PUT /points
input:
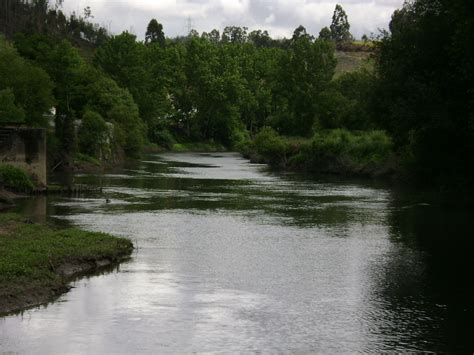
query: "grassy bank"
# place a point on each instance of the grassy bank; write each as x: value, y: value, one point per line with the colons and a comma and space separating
x: 37, y: 262
x: 335, y: 151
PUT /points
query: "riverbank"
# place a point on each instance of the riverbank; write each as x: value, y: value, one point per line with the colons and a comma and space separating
x: 6, y: 198
x: 37, y: 262
x: 337, y: 152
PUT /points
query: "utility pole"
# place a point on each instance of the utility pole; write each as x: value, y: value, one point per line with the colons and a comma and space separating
x: 189, y: 24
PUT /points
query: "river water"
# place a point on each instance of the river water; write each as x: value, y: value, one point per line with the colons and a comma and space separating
x: 232, y: 257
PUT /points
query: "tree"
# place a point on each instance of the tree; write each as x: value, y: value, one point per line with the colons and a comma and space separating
x: 300, y: 32
x: 340, y: 26
x: 325, y: 34
x: 25, y: 87
x: 126, y: 61
x: 154, y: 33
x: 10, y: 112
x: 116, y: 105
x: 425, y: 87
x: 214, y: 36
x: 260, y: 38
x: 92, y: 134
x: 305, y: 71
x: 234, y: 34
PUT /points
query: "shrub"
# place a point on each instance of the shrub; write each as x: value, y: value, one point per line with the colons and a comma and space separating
x: 341, y: 150
x: 164, y: 138
x: 15, y: 178
x: 271, y: 146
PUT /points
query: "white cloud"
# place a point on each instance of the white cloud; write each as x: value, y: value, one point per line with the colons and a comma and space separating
x: 279, y: 17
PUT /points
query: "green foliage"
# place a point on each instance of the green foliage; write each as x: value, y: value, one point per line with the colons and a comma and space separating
x: 340, y: 27
x: 129, y: 131
x: 341, y: 151
x: 271, y: 146
x: 28, y: 88
x: 335, y: 151
x: 92, y: 134
x: 116, y: 106
x: 361, y: 148
x: 46, y: 17
x: 305, y: 71
x: 426, y: 83
x: 63, y: 64
x: 154, y: 34
x: 347, y: 102
x: 325, y: 34
x: 9, y: 111
x: 15, y: 178
x: 164, y: 138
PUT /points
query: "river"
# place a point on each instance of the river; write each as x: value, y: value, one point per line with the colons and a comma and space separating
x: 231, y: 257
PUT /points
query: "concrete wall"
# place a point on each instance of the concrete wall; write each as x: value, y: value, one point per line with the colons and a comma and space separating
x: 25, y: 148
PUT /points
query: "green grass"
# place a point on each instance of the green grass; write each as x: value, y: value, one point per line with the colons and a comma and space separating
x: 31, y: 256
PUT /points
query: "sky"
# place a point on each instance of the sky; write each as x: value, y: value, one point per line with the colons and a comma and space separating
x: 279, y: 17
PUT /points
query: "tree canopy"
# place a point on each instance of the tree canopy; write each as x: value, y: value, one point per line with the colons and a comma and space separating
x: 340, y: 27
x: 154, y: 33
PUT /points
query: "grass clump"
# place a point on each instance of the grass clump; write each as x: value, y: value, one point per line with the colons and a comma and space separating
x: 15, y: 178
x: 36, y: 260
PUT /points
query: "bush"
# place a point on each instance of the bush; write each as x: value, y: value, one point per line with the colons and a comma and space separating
x: 271, y: 146
x: 340, y: 149
x: 164, y: 138
x: 15, y: 178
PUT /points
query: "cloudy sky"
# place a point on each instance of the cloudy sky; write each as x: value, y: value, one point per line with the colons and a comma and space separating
x: 279, y: 17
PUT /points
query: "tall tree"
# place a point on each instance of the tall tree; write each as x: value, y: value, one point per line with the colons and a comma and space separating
x: 24, y: 87
x: 425, y: 88
x: 154, y: 33
x: 325, y: 34
x: 340, y: 27
x: 304, y: 72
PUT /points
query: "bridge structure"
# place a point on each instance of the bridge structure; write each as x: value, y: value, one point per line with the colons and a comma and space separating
x: 25, y: 147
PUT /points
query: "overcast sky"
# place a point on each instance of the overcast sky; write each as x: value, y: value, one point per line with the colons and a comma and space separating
x: 279, y: 17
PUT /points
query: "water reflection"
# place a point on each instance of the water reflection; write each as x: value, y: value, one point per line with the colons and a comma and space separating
x: 232, y: 257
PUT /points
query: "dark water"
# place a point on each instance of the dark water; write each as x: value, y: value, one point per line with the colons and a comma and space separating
x: 232, y: 257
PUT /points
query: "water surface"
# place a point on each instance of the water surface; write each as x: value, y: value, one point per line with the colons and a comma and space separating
x: 233, y: 257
